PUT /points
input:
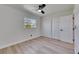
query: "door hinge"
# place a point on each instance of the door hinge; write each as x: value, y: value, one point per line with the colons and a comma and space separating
x: 73, y: 28
x: 73, y: 17
x: 73, y: 40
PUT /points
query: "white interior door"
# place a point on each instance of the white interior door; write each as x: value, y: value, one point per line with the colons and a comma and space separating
x: 66, y: 28
x: 55, y: 27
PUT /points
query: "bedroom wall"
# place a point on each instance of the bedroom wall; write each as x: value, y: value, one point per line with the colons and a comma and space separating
x: 12, y: 26
x: 46, y: 26
x: 76, y: 21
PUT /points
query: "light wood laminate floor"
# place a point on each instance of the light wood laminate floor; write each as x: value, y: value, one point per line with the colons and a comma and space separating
x: 40, y: 45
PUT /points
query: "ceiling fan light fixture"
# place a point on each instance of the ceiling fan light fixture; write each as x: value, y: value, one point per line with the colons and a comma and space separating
x: 39, y: 10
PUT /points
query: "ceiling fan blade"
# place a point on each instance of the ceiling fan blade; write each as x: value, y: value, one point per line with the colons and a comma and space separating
x: 42, y: 12
x: 42, y: 6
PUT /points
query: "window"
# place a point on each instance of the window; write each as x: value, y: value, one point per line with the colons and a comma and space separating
x: 29, y: 23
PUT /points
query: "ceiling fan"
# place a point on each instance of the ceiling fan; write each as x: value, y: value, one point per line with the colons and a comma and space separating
x: 41, y: 7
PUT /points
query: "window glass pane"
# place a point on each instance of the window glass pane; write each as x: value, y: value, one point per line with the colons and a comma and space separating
x: 29, y: 23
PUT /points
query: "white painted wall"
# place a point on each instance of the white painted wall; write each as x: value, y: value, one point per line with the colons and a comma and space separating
x: 12, y: 26
x: 76, y: 21
x: 46, y: 27
x: 58, y: 22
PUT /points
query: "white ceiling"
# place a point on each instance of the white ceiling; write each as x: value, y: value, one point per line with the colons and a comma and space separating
x: 49, y: 9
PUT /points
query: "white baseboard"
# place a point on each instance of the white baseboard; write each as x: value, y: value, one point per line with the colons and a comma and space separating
x: 26, y: 39
x: 59, y: 39
x: 14, y: 43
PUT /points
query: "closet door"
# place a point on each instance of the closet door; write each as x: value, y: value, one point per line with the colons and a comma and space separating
x: 66, y: 28
x: 55, y: 27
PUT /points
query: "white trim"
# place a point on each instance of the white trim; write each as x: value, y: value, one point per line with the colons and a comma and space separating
x: 14, y: 43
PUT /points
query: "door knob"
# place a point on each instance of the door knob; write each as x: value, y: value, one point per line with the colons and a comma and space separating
x: 61, y: 29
